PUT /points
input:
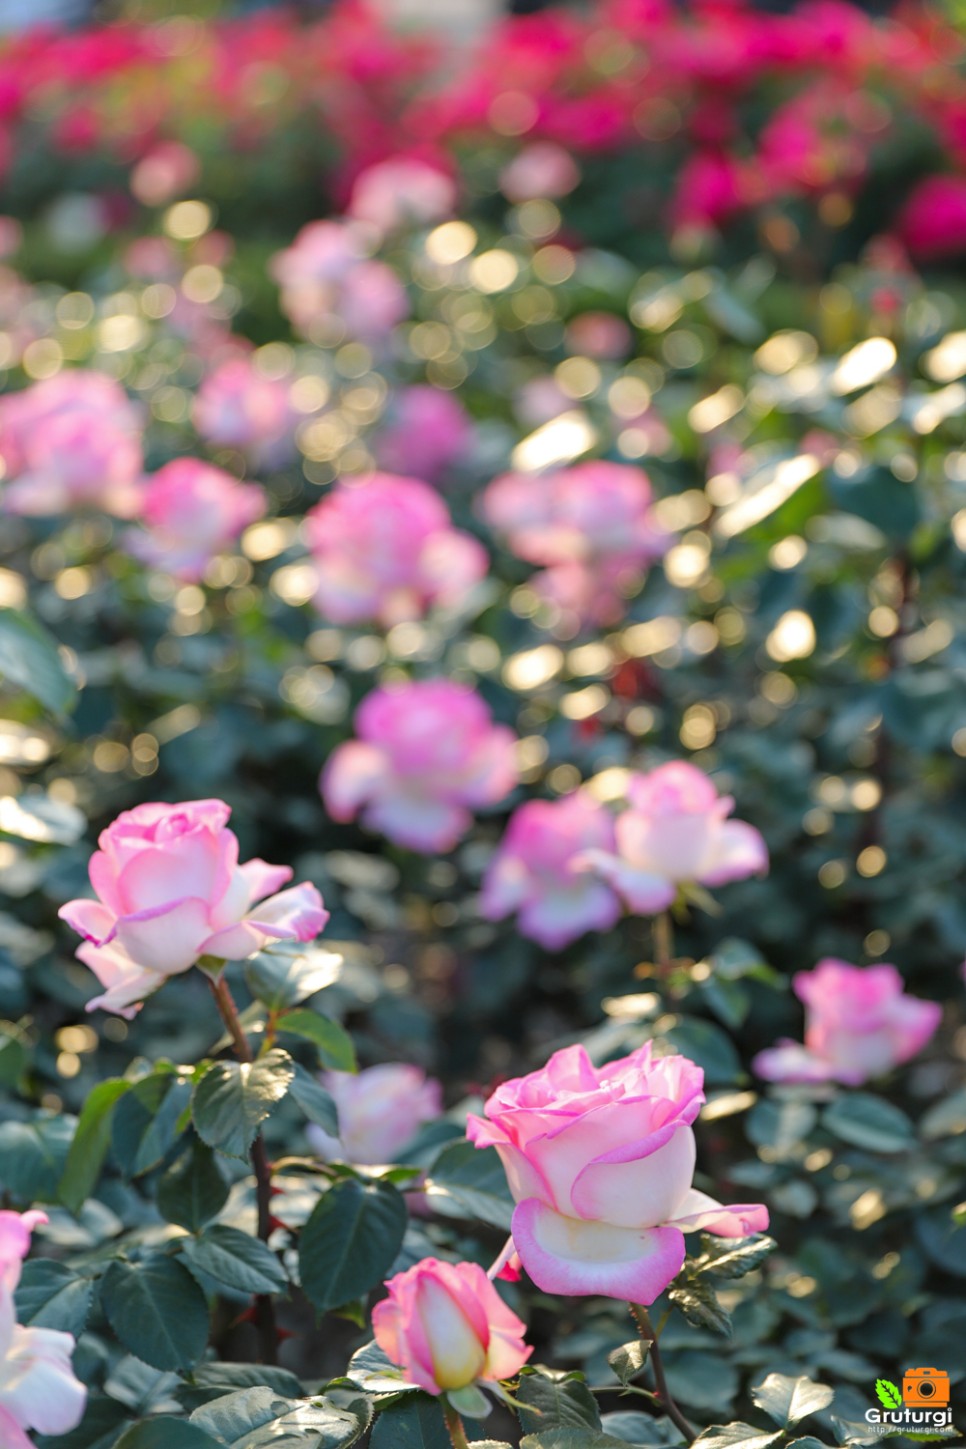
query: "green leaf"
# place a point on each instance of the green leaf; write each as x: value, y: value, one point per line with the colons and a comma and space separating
x: 211, y: 1381
x: 470, y: 1402
x: 786, y: 1399
x: 235, y: 1259
x: 888, y: 1394
x: 698, y: 1302
x: 735, y: 1436
x: 91, y: 1141
x: 628, y: 1360
x: 157, y: 1311
x: 288, y: 974
x: 30, y: 660
x: 14, y: 1056
x: 373, y: 1371
x: 572, y: 1439
x: 314, y: 1101
x: 258, y: 1418
x: 148, y: 1122
x: 732, y: 1257
x: 33, y: 1155
x: 166, y: 1433
x: 193, y: 1190
x: 555, y: 1400
x: 98, y: 1429
x: 351, y: 1241
x: 467, y: 1182
x: 415, y: 1423
x: 233, y: 1099
x: 870, y: 1122
x: 51, y: 1295
x: 333, y: 1041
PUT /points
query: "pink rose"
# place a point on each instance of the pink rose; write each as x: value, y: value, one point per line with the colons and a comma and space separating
x: 859, y: 1023
x: 600, y: 1162
x: 328, y: 281
x: 592, y: 528
x: 932, y: 223
x: 239, y: 407
x: 676, y: 832
x: 385, y: 550
x: 540, y: 170
x: 380, y: 1110
x: 402, y: 191
x: 169, y: 891
x: 167, y: 171
x: 423, y: 433
x: 72, y: 441
x: 192, y: 511
x: 446, y: 1327
x: 535, y: 871
x: 38, y: 1388
x: 428, y: 753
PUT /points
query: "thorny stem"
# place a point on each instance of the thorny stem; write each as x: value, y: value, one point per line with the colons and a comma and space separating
x: 649, y: 1339
x: 265, y: 1324
x: 663, y: 937
x: 454, y: 1424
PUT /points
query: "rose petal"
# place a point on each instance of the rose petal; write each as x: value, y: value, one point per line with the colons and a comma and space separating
x: 578, y: 1259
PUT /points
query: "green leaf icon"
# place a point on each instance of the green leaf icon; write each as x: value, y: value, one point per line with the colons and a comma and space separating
x: 888, y: 1394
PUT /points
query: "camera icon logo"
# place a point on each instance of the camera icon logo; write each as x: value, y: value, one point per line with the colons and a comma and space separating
x: 925, y: 1388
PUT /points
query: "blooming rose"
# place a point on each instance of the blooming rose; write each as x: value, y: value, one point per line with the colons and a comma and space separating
x: 169, y: 891
x: 428, y: 753
x: 38, y: 1388
x: 237, y: 406
x: 380, y: 1110
x: 932, y: 223
x: 540, y: 170
x: 675, y: 833
x: 859, y: 1023
x: 71, y: 441
x: 600, y: 1162
x: 385, y: 550
x: 447, y: 1327
x: 327, y: 281
x: 192, y: 511
x: 424, y: 431
x: 591, y: 527
x: 536, y: 873
x: 401, y: 191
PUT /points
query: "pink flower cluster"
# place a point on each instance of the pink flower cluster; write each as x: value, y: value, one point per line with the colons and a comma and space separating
x: 39, y: 1391
x: 170, y: 891
x: 600, y: 1162
x: 590, y: 528
x: 385, y: 551
x: 72, y: 441
x: 427, y: 755
x: 379, y: 1109
x: 330, y: 283
x: 859, y: 1024
x: 401, y: 191
x: 423, y: 432
x: 237, y: 406
x: 192, y: 511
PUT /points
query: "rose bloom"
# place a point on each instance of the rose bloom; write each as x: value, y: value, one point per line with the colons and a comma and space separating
x: 328, y: 282
x: 72, y: 441
x: 591, y: 527
x: 169, y: 891
x: 386, y: 551
x: 859, y: 1023
x: 446, y: 1327
x: 380, y: 1110
x: 427, y: 754
x: 932, y: 223
x: 38, y: 1388
x: 237, y: 406
x: 424, y: 431
x: 191, y: 512
x: 600, y: 1162
x: 535, y: 871
x: 402, y: 191
x: 167, y: 171
x: 675, y: 833
x: 540, y: 171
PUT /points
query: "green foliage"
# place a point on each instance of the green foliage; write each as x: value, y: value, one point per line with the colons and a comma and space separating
x: 157, y: 1311
x: 30, y: 661
x: 233, y: 1099
x: 350, y: 1242
x: 555, y: 1400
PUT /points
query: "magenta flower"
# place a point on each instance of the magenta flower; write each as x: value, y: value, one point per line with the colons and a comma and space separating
x: 591, y: 528
x: 536, y: 871
x: 401, y: 191
x: 39, y: 1391
x: 329, y: 283
x: 427, y: 755
x: 191, y: 512
x: 385, y: 550
x: 674, y: 833
x: 600, y: 1162
x: 380, y: 1110
x: 239, y: 407
x: 446, y: 1327
x: 932, y: 223
x: 423, y: 433
x: 169, y: 891
x: 72, y: 441
x: 859, y: 1023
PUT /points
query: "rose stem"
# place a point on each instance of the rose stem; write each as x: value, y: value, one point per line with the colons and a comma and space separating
x: 454, y: 1424
x: 649, y: 1339
x: 264, y: 1307
x: 663, y: 934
